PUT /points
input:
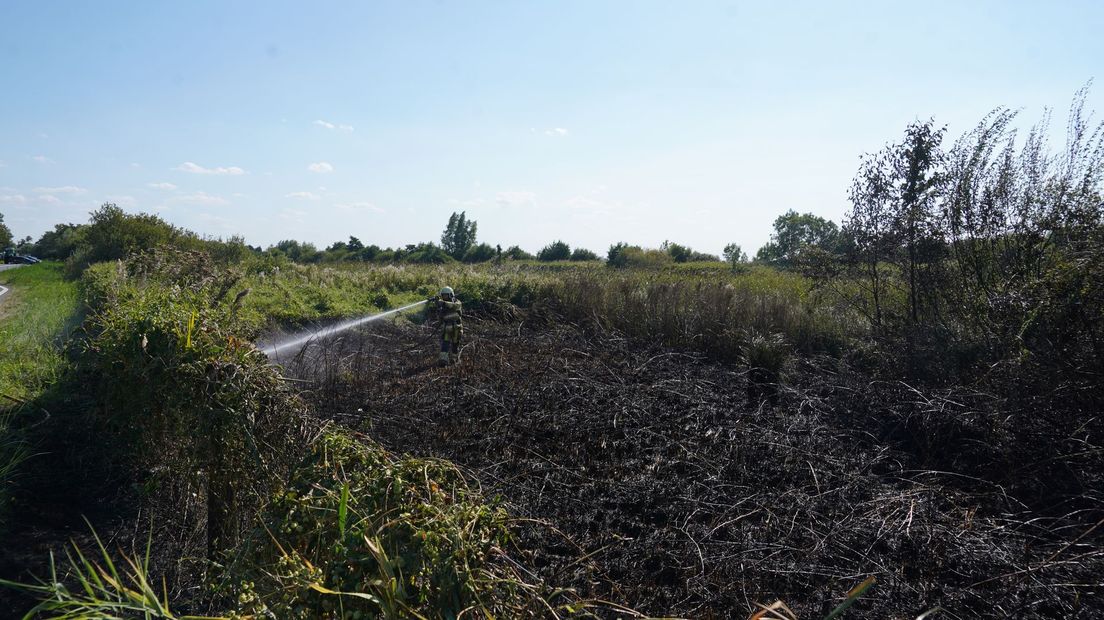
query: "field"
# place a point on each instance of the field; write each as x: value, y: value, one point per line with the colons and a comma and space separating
x: 690, y: 441
x: 647, y: 475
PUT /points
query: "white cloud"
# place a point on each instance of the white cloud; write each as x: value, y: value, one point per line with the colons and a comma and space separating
x: 197, y: 169
x: 13, y: 199
x: 49, y: 199
x: 555, y: 131
x: 516, y: 199
x: 135, y: 164
x: 201, y: 198
x: 42, y: 159
x: 213, y: 220
x: 65, y: 189
x: 168, y: 186
x: 122, y: 201
x: 293, y: 215
x: 321, y: 167
x: 591, y: 207
x: 3, y: 164
x: 303, y: 196
x: 332, y: 126
x: 359, y: 206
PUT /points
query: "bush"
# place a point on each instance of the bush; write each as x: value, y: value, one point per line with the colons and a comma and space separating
x: 557, y: 250
x: 113, y: 234
x: 583, y: 254
x: 428, y: 254
x: 480, y: 253
x: 331, y: 541
x: 180, y: 395
x: 516, y: 253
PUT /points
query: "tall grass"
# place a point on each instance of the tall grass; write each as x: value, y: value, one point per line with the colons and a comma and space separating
x: 703, y: 306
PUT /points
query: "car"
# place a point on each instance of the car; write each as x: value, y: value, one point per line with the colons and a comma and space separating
x: 11, y: 258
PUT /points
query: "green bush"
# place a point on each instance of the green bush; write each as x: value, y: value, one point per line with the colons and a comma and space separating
x: 359, y: 532
x: 185, y: 404
x: 583, y: 254
x: 557, y: 250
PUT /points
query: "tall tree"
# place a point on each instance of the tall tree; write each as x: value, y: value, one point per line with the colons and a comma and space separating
x: 917, y: 170
x: 868, y: 228
x: 5, y: 233
x: 793, y: 232
x: 459, y: 235
x: 734, y: 254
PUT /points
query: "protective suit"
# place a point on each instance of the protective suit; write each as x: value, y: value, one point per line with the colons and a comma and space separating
x: 447, y: 310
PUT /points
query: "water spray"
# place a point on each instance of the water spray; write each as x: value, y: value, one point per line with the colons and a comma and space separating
x: 294, y: 341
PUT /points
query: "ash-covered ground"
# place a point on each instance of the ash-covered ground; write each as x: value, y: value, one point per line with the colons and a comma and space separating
x: 648, y: 477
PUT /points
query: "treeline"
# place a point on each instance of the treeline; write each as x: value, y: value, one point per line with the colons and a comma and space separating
x: 112, y: 234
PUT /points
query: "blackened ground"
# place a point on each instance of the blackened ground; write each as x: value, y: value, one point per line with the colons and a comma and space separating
x: 646, y: 477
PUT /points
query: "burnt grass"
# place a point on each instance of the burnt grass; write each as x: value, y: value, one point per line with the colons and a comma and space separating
x: 648, y: 477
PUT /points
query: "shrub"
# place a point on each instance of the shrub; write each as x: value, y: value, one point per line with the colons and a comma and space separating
x: 557, y: 250
x: 181, y: 395
x: 331, y: 541
x: 480, y: 253
x: 516, y: 253
x: 583, y: 254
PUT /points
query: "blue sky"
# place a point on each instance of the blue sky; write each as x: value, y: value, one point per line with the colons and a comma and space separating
x: 592, y: 122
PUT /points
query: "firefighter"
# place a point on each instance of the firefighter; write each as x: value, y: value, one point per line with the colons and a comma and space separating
x: 447, y: 309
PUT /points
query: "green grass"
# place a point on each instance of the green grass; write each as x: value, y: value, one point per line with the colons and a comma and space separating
x: 35, y: 319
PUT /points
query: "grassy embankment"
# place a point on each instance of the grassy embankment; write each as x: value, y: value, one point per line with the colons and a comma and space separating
x: 36, y: 316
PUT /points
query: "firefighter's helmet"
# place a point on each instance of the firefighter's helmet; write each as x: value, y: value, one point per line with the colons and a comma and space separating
x: 446, y: 293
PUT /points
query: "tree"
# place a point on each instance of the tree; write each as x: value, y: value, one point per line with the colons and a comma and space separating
x: 685, y: 254
x: 5, y: 233
x: 354, y: 244
x: 895, y: 219
x: 480, y: 253
x: 516, y: 253
x: 557, y: 250
x: 868, y: 228
x: 113, y: 234
x: 459, y: 235
x: 679, y: 253
x: 296, y: 251
x: 734, y: 254
x: 917, y: 169
x: 368, y: 253
x: 583, y: 254
x: 426, y: 253
x: 616, y: 256
x: 795, y: 231
x: 61, y: 242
